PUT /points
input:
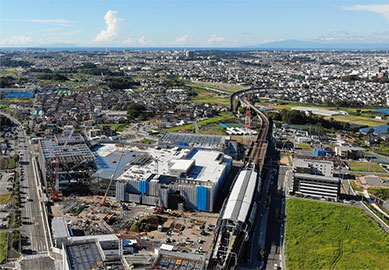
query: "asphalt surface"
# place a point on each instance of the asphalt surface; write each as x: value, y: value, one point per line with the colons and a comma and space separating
x: 275, y: 231
x: 34, y: 232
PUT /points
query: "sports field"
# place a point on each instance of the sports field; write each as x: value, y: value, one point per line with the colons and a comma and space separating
x: 323, y: 235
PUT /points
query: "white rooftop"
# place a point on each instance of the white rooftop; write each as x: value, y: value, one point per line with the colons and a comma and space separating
x: 182, y: 164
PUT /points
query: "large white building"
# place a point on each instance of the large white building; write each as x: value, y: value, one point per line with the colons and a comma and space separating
x: 192, y: 178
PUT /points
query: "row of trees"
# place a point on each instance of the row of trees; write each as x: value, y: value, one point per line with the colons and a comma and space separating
x: 122, y: 83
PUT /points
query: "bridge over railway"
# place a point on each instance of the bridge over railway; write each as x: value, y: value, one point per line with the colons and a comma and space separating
x: 239, y: 212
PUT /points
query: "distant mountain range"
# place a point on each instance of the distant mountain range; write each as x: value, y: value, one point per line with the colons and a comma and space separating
x: 307, y: 45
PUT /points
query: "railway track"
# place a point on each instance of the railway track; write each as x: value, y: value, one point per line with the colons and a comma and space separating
x: 258, y: 151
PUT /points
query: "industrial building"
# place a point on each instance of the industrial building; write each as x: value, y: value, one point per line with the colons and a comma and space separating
x: 216, y: 142
x: 236, y: 221
x: 191, y: 178
x: 314, y: 178
x: 72, y: 162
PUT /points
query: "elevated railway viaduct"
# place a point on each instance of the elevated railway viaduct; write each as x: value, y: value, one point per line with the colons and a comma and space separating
x: 239, y: 212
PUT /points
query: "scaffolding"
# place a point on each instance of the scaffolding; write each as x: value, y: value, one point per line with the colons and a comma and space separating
x: 72, y: 163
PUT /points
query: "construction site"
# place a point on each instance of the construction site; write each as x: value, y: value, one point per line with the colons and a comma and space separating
x: 150, y: 207
x: 141, y: 229
x: 63, y: 164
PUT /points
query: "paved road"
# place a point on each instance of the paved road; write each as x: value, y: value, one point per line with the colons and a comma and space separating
x: 275, y: 232
x: 33, y: 224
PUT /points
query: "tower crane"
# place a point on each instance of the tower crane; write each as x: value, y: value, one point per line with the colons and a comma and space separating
x: 104, y: 202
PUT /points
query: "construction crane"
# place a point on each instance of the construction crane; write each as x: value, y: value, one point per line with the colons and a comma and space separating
x: 55, y: 194
x: 104, y: 202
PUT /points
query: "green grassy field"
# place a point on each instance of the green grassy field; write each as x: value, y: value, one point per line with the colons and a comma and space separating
x: 213, y: 121
x: 3, y: 246
x: 328, y: 236
x: 209, y: 97
x: 365, y: 166
x: 359, y: 120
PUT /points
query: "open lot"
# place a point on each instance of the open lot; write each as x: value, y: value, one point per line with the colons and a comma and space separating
x: 365, y: 166
x: 329, y: 236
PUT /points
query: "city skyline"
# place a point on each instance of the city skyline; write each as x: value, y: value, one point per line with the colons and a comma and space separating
x: 190, y: 23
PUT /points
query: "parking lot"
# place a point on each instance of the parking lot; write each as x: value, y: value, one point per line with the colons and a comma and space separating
x: 6, y: 183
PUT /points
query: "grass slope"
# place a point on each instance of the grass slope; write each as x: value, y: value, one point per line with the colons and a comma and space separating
x: 328, y: 236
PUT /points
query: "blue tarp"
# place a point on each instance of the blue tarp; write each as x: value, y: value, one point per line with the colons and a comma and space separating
x: 201, y: 198
x: 143, y: 187
x: 319, y: 152
x: 19, y: 95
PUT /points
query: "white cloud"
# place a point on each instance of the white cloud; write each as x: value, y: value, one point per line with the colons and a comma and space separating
x: 142, y: 41
x: 345, y: 36
x: 129, y: 41
x: 54, y: 29
x: 180, y: 40
x: 138, y: 42
x: 213, y: 38
x: 110, y: 32
x: 376, y: 8
x: 59, y: 21
x: 17, y: 40
x: 48, y: 21
x: 44, y: 41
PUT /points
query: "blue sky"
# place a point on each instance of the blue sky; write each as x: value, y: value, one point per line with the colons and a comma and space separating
x: 191, y: 23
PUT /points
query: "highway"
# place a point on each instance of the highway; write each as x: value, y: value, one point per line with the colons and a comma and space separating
x: 34, y: 230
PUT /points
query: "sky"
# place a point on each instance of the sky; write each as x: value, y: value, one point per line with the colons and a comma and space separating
x: 190, y: 23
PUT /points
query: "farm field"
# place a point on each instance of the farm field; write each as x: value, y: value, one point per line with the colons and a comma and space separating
x: 328, y: 236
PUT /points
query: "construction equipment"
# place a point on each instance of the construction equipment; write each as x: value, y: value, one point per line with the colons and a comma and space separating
x: 104, y: 202
x: 55, y: 193
x: 158, y: 210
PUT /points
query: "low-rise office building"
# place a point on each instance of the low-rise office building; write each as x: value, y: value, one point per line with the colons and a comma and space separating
x: 315, y: 186
x: 314, y: 178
